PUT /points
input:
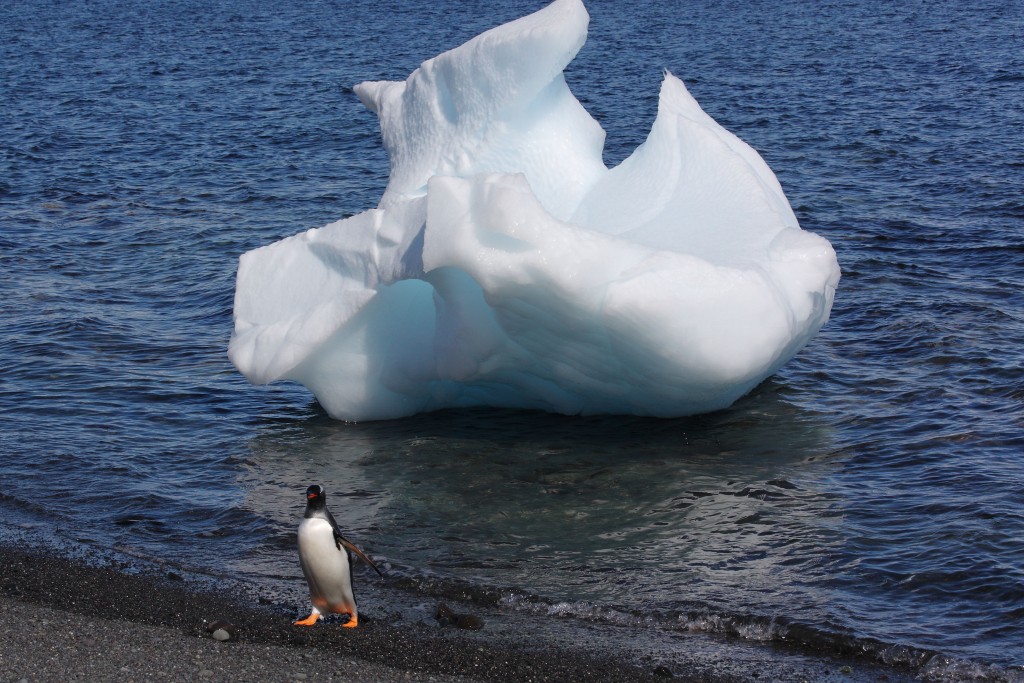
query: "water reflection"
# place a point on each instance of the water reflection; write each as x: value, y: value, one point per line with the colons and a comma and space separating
x: 727, y: 504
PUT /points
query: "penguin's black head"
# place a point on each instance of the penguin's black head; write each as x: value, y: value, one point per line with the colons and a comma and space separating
x: 315, y: 496
x: 315, y: 502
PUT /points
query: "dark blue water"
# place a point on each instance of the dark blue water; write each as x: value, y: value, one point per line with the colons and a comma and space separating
x: 871, y: 495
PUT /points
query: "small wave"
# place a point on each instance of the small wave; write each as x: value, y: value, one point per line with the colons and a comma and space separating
x: 1006, y: 77
x: 943, y: 668
x: 928, y: 665
x: 28, y: 512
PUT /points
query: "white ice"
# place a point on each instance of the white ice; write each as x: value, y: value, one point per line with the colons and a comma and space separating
x: 507, y: 266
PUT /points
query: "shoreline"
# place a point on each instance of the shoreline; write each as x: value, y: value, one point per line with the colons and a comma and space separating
x: 65, y: 619
x: 102, y: 620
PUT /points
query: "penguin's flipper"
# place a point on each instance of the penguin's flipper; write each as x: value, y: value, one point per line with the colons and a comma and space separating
x: 338, y: 538
x: 313, y: 617
x: 340, y: 541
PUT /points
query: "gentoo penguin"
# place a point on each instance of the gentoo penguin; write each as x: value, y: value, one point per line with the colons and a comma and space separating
x: 323, y: 554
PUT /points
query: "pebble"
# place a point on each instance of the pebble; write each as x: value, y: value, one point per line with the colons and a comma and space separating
x: 221, y: 630
x: 447, y: 617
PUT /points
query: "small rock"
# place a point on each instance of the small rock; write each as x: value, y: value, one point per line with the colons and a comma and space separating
x: 447, y: 617
x: 663, y: 672
x: 470, y: 622
x: 221, y: 630
x: 444, y: 614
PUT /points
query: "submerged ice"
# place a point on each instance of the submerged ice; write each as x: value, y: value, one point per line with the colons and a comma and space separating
x: 505, y: 265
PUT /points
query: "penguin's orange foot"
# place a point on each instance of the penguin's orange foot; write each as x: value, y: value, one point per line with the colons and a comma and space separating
x: 352, y: 622
x: 308, y: 621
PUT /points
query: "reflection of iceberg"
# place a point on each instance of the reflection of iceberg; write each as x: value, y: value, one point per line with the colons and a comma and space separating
x: 581, y: 498
x: 506, y: 266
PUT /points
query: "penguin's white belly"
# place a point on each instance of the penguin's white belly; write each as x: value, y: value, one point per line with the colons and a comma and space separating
x: 326, y: 568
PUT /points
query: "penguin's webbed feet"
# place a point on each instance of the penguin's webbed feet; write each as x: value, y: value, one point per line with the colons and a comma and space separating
x: 352, y: 622
x: 313, y: 617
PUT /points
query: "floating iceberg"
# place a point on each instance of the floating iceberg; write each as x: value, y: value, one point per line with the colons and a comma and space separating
x: 507, y: 266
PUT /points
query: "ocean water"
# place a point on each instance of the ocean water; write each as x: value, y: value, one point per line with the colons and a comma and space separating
x: 869, y: 497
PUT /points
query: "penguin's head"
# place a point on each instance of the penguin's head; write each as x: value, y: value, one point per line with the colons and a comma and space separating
x: 316, y: 497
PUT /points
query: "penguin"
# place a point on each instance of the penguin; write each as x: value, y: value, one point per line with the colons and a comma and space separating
x: 325, y: 560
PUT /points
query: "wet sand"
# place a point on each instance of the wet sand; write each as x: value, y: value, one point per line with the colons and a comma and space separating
x: 65, y: 620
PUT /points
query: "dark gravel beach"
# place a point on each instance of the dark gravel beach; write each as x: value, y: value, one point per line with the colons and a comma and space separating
x: 65, y: 619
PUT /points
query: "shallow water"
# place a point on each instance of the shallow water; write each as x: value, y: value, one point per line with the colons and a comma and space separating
x: 869, y: 494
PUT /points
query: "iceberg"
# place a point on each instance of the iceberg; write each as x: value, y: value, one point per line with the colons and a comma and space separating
x: 507, y: 266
